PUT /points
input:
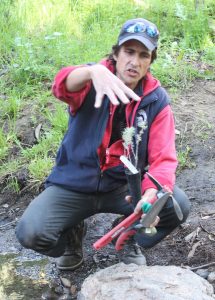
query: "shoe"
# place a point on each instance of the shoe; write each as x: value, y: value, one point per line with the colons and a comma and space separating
x: 132, y: 254
x: 73, y: 255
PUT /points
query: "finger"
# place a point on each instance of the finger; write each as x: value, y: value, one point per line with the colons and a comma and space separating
x: 143, y: 215
x: 155, y: 223
x: 121, y: 95
x: 128, y: 199
x: 112, y: 97
x: 138, y: 207
x: 130, y: 93
x: 98, y: 101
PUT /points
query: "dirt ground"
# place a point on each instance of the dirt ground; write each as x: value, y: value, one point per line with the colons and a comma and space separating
x: 193, y: 243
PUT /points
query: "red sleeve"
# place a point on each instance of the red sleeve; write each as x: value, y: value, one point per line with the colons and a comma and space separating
x: 74, y: 99
x: 161, y: 150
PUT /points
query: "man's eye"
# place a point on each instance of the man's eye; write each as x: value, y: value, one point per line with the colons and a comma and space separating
x: 145, y: 55
x: 129, y: 51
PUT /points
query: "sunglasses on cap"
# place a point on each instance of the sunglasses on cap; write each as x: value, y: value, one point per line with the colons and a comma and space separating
x: 151, y: 31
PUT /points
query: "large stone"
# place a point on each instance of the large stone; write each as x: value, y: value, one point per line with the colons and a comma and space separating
x: 129, y: 282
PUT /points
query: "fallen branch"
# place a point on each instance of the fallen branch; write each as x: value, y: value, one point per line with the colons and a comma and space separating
x: 193, y: 250
x: 192, y: 236
x: 202, y: 266
x: 209, y: 213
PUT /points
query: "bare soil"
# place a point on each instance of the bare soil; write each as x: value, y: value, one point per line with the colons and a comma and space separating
x: 194, y: 111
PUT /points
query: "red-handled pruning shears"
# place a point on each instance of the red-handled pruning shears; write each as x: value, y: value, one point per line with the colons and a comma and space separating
x: 134, y: 223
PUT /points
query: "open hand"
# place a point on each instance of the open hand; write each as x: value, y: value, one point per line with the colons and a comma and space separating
x: 106, y: 83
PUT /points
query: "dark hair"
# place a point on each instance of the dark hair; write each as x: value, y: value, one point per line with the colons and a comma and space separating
x: 115, y: 51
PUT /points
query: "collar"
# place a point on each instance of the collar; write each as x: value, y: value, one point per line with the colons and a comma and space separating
x: 139, y: 88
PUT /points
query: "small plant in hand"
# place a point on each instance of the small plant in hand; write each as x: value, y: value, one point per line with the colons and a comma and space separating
x: 131, y: 139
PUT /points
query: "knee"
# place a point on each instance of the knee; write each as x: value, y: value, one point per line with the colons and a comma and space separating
x: 35, y: 237
x: 26, y: 235
x: 183, y: 202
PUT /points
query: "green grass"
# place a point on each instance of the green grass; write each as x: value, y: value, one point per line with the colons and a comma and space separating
x: 39, y: 37
x: 3, y: 145
x: 184, y: 159
x: 39, y: 168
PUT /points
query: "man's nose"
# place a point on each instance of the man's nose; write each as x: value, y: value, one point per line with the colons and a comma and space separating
x: 135, y: 60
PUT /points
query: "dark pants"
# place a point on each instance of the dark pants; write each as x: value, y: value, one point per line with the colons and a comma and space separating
x: 46, y: 221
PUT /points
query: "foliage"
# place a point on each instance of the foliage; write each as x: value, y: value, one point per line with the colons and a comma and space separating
x: 39, y: 37
x: 184, y: 159
x: 3, y: 145
x: 39, y: 168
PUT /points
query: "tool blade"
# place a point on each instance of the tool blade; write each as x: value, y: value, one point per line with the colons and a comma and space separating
x: 150, y: 216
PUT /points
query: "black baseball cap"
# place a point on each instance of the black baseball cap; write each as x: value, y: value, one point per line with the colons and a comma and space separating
x: 141, y: 30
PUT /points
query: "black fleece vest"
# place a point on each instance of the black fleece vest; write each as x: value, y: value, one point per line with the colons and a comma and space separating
x: 77, y: 164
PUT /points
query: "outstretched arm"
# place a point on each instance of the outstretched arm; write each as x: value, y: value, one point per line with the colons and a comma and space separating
x: 104, y: 81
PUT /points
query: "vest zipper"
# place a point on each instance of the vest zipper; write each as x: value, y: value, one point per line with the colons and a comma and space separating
x: 99, y: 181
x: 101, y: 171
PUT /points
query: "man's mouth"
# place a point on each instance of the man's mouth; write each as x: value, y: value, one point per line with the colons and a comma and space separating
x: 132, y: 72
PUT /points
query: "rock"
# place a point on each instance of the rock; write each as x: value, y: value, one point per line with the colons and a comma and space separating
x: 211, y: 277
x: 130, y: 282
x: 203, y: 273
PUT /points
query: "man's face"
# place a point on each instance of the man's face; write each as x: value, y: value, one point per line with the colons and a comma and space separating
x: 132, y: 62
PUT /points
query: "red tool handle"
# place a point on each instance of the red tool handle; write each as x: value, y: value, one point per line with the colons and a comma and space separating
x: 123, y: 238
x: 117, y: 230
x: 112, y: 234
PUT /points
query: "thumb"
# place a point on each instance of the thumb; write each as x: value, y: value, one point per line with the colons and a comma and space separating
x: 138, y: 207
x: 128, y: 199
